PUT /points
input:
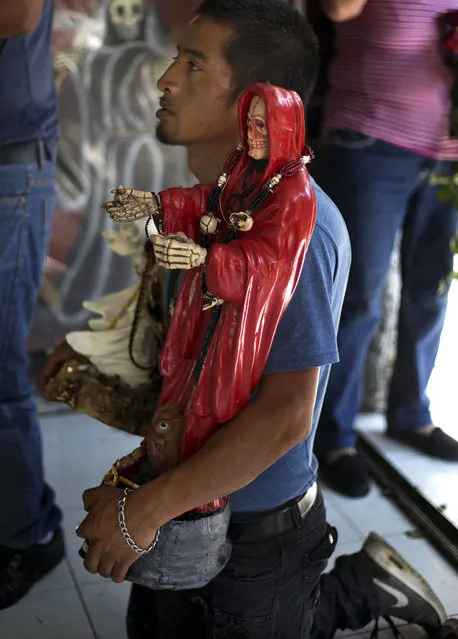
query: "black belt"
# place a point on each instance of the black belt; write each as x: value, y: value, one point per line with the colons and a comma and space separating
x: 245, y: 528
x: 32, y: 152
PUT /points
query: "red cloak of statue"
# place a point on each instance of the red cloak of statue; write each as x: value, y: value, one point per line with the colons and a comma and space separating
x: 256, y: 274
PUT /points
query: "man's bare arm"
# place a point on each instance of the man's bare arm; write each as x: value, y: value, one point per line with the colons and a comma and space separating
x: 19, y: 17
x: 279, y: 418
x: 342, y: 10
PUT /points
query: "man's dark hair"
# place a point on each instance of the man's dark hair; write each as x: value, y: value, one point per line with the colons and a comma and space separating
x: 271, y: 43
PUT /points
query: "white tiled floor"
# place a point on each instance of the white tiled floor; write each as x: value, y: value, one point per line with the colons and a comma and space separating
x: 73, y: 604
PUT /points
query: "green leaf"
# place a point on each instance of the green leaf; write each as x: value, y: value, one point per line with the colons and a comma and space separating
x: 414, y: 534
x: 444, y: 195
x: 438, y: 179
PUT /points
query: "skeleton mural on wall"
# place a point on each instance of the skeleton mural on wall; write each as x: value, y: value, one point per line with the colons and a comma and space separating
x: 127, y: 18
x: 107, y: 62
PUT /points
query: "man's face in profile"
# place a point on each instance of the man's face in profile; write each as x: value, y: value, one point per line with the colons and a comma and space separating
x: 196, y: 106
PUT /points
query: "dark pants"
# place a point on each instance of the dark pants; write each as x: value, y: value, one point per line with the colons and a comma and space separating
x: 381, y: 189
x: 26, y: 206
x: 268, y: 590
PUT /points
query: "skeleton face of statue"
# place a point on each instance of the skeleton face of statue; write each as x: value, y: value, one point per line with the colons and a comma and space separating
x: 258, y: 135
x: 126, y: 17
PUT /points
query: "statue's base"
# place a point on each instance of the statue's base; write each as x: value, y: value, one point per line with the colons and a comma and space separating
x: 106, y: 398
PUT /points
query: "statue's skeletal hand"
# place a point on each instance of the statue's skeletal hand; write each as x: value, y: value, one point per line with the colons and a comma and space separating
x: 177, y: 251
x: 129, y: 205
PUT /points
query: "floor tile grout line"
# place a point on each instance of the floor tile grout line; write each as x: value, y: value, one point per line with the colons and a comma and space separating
x: 348, y: 521
x: 341, y: 511
x: 81, y: 598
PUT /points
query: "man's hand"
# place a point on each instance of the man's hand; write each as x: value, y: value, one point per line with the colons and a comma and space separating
x: 63, y: 353
x: 109, y: 555
x: 176, y: 251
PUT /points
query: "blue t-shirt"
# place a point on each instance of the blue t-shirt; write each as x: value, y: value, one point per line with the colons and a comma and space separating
x: 28, y: 102
x: 306, y: 338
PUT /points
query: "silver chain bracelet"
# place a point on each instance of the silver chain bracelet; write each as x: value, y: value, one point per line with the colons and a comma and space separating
x: 125, y: 532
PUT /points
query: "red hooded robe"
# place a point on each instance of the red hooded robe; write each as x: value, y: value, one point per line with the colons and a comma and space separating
x: 255, y: 274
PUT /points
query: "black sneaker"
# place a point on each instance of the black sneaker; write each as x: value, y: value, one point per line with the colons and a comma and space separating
x: 348, y: 475
x: 402, y: 592
x: 436, y: 444
x: 21, y: 569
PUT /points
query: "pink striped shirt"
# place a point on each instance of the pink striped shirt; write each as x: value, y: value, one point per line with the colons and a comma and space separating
x: 388, y: 79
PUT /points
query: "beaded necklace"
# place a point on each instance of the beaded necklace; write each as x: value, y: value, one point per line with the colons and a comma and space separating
x: 139, y: 297
x: 243, y: 220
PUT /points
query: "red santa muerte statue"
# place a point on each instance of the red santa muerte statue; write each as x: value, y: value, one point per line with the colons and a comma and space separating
x: 241, y: 267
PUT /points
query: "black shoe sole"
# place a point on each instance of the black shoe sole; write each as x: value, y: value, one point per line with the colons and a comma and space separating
x: 401, y: 574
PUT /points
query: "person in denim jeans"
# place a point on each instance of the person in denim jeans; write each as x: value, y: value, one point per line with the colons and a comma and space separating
x: 31, y: 541
x: 386, y: 125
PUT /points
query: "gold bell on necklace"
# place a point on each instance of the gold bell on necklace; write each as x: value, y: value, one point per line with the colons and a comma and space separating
x: 209, y: 223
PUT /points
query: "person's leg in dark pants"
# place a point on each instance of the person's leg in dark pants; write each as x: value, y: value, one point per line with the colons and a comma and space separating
x: 371, y: 183
x: 141, y: 618
x: 182, y: 614
x: 374, y: 582
x: 29, y: 514
x: 268, y: 590
x: 426, y: 261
